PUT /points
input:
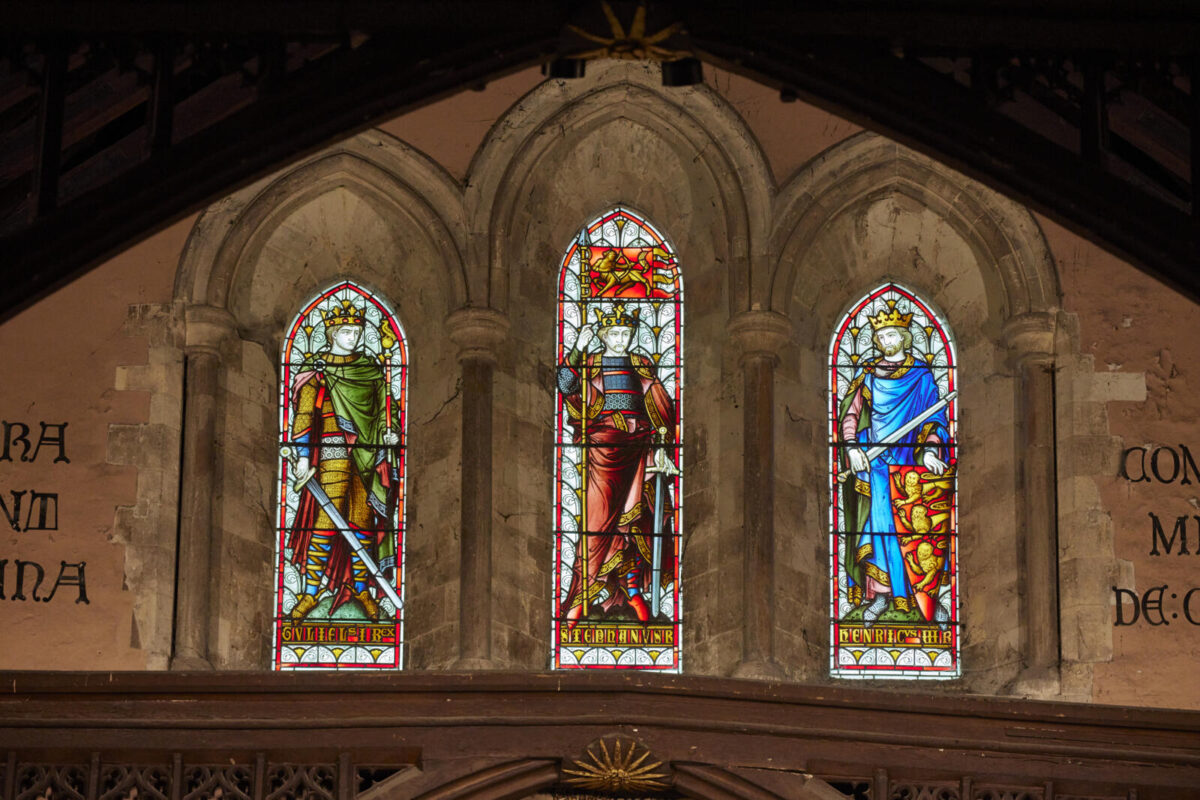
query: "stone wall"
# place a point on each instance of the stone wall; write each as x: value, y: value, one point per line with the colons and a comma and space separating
x: 865, y: 213
x: 565, y: 154
x: 776, y: 209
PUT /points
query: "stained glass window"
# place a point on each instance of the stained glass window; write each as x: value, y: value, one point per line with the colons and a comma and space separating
x: 617, y: 476
x: 339, y: 544
x: 893, y: 464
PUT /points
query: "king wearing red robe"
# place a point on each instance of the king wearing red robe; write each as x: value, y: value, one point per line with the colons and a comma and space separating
x: 625, y: 420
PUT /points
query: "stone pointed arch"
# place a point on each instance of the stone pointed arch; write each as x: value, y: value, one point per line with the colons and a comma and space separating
x: 869, y: 212
x: 564, y: 154
x: 1002, y: 233
x: 372, y: 210
x: 695, y: 122
x: 396, y: 179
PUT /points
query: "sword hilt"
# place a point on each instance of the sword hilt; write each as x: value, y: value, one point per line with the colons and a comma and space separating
x: 668, y: 468
x: 292, y: 456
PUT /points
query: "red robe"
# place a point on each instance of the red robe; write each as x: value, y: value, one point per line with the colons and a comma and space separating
x: 620, y: 495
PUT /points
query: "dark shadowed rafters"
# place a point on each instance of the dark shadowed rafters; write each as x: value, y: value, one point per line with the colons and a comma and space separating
x: 1082, y: 110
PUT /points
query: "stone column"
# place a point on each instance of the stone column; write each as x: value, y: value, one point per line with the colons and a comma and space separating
x: 478, y: 334
x: 207, y: 328
x: 1030, y: 339
x: 758, y: 337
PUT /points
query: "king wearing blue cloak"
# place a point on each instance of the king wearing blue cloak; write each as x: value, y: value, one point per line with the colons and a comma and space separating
x: 887, y: 393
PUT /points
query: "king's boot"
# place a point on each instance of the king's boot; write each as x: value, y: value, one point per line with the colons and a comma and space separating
x: 633, y: 583
x: 872, y: 612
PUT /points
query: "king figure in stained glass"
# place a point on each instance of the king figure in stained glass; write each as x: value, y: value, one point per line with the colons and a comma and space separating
x: 618, y: 475
x: 893, y: 476
x: 344, y: 429
x: 628, y: 412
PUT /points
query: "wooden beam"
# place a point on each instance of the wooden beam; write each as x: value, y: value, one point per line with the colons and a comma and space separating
x: 162, y: 101
x: 325, y: 103
x: 1122, y: 25
x: 922, y: 110
x: 1094, y: 124
x: 49, y: 132
x: 437, y: 718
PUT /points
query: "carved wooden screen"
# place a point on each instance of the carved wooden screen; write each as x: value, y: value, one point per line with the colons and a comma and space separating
x: 339, y: 545
x: 617, y: 473
x: 893, y: 473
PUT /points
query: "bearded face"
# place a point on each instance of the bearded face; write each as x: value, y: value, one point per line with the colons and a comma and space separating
x: 891, y: 341
x: 616, y: 340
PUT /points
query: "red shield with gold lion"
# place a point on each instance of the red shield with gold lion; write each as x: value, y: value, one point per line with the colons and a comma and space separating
x: 923, y: 510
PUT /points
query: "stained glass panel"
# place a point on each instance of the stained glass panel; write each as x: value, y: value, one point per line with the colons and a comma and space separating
x: 618, y: 482
x: 893, y: 466
x: 339, y: 537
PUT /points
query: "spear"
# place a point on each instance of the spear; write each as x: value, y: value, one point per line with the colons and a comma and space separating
x: 585, y: 291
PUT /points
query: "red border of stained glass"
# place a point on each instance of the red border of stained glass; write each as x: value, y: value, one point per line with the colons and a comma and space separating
x: 400, y: 362
x: 837, y: 669
x: 563, y: 440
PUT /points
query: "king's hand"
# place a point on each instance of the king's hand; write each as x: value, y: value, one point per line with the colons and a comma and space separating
x: 301, y: 475
x: 301, y: 471
x: 934, y: 464
x: 661, y: 463
x: 391, y: 438
x: 586, y: 333
x: 858, y: 460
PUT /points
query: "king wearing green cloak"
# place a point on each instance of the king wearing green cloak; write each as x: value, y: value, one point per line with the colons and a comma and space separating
x: 344, y: 430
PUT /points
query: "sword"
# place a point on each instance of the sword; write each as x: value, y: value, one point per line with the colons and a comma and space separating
x: 908, y: 426
x: 659, y: 524
x: 343, y: 527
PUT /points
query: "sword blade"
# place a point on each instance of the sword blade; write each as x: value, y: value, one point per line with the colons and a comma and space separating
x: 343, y: 527
x: 908, y: 426
x: 656, y: 546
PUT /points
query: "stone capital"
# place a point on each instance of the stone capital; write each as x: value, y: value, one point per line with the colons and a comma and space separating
x: 1030, y: 337
x: 478, y: 332
x: 759, y: 334
x: 207, y: 328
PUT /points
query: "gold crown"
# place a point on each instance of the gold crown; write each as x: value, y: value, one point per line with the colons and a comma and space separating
x: 617, y: 319
x: 890, y: 318
x: 344, y: 314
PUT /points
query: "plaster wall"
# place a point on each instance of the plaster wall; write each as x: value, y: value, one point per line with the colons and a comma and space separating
x: 1129, y: 385
x: 97, y: 356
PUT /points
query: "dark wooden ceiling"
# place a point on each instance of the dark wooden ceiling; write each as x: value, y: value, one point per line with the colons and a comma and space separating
x: 119, y: 116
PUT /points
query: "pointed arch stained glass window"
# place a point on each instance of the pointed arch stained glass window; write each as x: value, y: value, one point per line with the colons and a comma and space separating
x: 618, y: 481
x: 339, y: 547
x: 893, y: 476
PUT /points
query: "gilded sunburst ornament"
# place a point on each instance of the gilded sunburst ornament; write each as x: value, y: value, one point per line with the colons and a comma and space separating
x: 624, y: 769
x: 634, y: 43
